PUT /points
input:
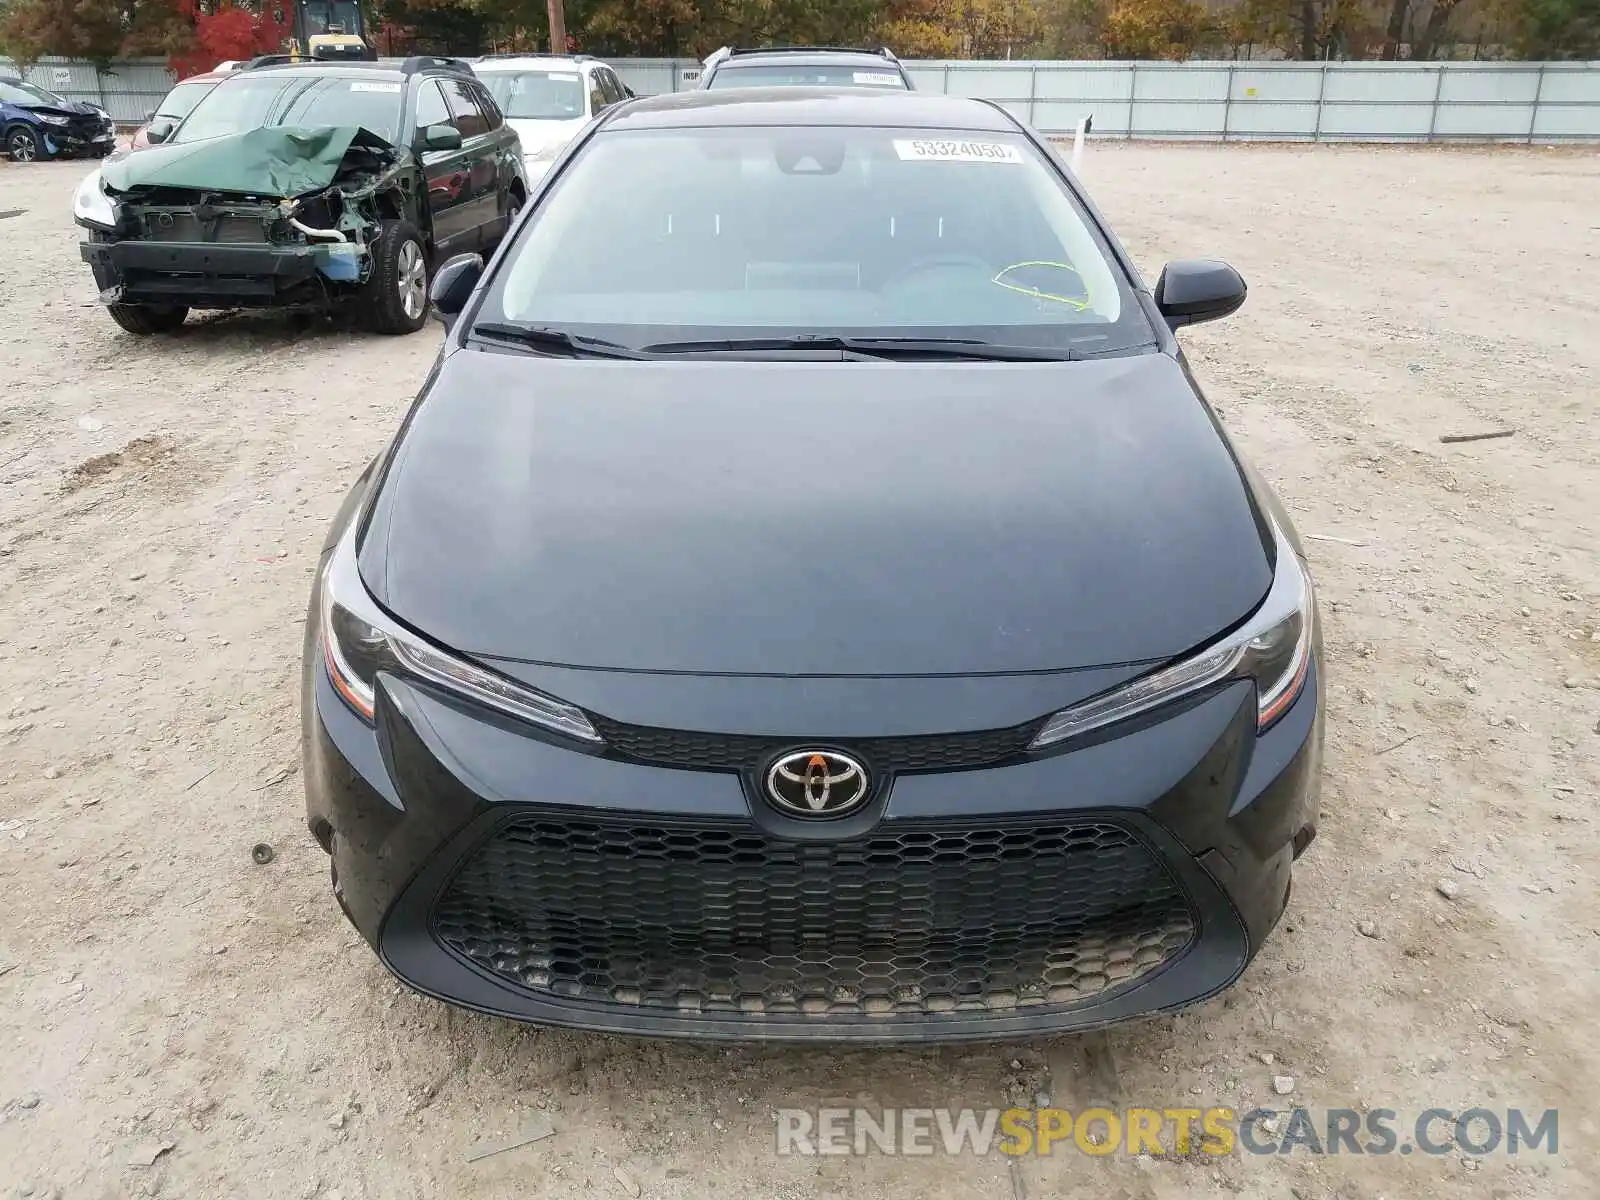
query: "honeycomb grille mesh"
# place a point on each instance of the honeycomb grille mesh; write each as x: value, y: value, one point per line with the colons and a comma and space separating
x: 697, y: 919
x: 739, y: 752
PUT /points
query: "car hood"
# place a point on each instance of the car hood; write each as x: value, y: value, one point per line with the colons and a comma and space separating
x: 69, y: 108
x: 278, y: 161
x: 537, y: 135
x: 814, y: 518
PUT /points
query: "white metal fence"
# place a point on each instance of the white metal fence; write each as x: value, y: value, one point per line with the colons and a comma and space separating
x: 127, y: 90
x: 1277, y: 101
x: 1287, y: 101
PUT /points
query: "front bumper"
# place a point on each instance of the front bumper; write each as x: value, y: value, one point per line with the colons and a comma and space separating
x: 70, y: 141
x: 505, y: 873
x: 202, y: 274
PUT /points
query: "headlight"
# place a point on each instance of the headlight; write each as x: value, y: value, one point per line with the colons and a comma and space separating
x: 1273, y: 648
x: 91, y: 205
x: 52, y: 119
x: 546, y: 154
x: 359, y: 641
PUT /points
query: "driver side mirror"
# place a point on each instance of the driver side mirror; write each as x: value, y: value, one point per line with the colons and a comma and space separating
x: 453, y: 284
x: 1192, y: 290
x: 158, y: 132
x: 441, y: 137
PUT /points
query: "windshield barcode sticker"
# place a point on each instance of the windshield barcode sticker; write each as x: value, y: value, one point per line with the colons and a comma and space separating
x: 943, y: 151
x: 376, y: 87
x: 877, y: 78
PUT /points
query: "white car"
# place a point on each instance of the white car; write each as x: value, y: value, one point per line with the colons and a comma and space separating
x: 548, y: 98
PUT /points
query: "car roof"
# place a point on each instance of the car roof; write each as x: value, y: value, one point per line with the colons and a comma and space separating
x: 533, y: 62
x: 805, y: 58
x: 866, y: 107
x: 333, y: 70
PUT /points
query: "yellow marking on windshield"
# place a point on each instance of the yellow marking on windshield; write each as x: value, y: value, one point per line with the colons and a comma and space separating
x: 1077, y: 302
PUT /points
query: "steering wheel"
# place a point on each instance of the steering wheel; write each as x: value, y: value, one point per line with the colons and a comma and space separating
x: 912, y: 270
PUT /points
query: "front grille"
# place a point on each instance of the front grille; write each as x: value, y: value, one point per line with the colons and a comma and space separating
x: 84, y: 128
x: 887, y: 755
x: 688, y: 918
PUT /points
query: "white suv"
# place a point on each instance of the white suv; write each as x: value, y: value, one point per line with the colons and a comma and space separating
x: 548, y: 98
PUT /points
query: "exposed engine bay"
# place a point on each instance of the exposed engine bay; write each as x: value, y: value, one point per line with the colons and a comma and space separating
x: 315, y: 199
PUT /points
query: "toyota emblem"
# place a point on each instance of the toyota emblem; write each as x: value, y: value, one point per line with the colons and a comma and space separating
x: 817, y: 783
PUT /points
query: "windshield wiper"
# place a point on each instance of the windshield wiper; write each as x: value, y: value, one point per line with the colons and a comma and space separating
x: 975, y: 349
x: 542, y: 337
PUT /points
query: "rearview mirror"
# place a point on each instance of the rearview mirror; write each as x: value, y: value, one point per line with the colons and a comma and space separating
x: 1192, y: 290
x: 453, y: 284
x: 158, y: 132
x: 441, y: 137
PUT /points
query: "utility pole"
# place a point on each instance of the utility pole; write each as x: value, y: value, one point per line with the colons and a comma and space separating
x: 558, y: 26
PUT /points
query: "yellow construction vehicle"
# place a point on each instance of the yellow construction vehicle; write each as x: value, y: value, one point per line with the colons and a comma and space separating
x: 329, y: 29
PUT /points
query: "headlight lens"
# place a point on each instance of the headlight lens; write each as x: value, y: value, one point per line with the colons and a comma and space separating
x: 359, y: 640
x: 1273, y: 648
x: 91, y: 204
x: 546, y: 154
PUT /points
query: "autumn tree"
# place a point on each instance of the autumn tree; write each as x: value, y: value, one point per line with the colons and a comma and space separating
x: 32, y: 29
x: 1557, y: 29
x: 916, y: 29
x: 1167, y: 29
x: 651, y: 28
x: 1072, y: 28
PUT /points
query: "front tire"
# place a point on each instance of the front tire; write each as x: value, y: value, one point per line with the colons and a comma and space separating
x: 395, y: 298
x: 514, y: 202
x: 145, y: 319
x: 23, y: 144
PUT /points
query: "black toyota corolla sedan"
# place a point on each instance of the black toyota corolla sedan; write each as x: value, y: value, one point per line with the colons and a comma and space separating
x: 811, y: 598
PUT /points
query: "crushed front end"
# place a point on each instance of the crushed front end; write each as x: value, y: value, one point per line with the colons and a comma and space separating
x: 161, y: 236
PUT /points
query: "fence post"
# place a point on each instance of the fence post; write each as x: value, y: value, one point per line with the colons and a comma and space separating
x: 1033, y: 90
x: 1133, y: 93
x: 946, y: 80
x: 1438, y: 86
x: 1538, y: 95
x: 1227, y: 103
x: 1322, y: 94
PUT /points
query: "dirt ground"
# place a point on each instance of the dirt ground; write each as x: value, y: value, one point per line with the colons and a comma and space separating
x: 177, y: 1020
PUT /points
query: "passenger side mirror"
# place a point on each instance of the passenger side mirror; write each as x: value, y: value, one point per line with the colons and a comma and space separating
x: 453, y: 284
x: 441, y: 137
x: 158, y: 132
x: 1192, y: 290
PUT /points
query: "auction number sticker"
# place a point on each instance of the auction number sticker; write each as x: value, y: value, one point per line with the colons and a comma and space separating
x: 877, y: 78
x: 933, y: 150
x: 377, y: 87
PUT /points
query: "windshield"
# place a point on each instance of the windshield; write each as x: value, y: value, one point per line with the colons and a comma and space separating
x: 537, y: 95
x: 780, y: 75
x: 701, y: 234
x: 332, y: 16
x: 271, y: 98
x: 181, y: 100
x: 14, y: 91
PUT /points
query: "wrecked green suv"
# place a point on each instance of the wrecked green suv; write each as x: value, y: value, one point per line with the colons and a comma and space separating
x: 304, y: 185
